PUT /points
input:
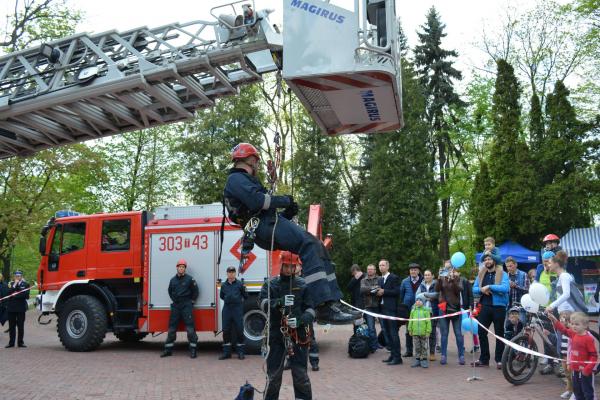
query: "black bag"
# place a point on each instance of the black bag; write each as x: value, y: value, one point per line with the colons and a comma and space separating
x: 358, y: 346
x: 246, y: 392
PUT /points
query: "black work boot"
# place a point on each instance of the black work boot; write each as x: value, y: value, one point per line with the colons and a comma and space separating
x: 331, y: 313
x: 314, y: 365
x: 166, y: 353
x: 241, y: 352
x: 226, y: 352
x: 193, y: 352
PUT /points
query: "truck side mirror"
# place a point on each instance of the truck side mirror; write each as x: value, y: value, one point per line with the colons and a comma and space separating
x: 42, y: 246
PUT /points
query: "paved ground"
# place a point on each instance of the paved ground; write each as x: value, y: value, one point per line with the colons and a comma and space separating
x: 45, y: 370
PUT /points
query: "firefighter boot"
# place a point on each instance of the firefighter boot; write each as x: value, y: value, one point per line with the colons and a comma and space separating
x: 226, y: 351
x: 240, y: 351
x: 332, y: 313
x: 314, y: 364
x: 166, y: 353
x: 193, y: 351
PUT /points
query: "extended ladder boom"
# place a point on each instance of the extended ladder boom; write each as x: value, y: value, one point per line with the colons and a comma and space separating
x: 90, y: 86
x: 344, y: 67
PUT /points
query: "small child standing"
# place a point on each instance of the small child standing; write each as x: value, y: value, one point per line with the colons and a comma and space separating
x: 513, y: 324
x: 420, y: 331
x: 565, y: 317
x: 582, y: 355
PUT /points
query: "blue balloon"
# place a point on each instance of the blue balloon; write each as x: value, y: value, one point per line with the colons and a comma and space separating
x: 469, y: 326
x: 458, y: 259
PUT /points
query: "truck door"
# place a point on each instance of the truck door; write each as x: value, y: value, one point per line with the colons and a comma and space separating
x: 67, y: 260
x: 113, y: 253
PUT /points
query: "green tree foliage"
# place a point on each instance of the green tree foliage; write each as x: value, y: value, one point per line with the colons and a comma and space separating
x: 481, y: 204
x: 564, y: 159
x: 508, y: 209
x: 143, y: 168
x: 436, y: 72
x: 34, y: 188
x: 35, y: 21
x: 208, y: 141
x: 399, y: 218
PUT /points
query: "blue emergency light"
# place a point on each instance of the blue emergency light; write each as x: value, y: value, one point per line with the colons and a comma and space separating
x: 65, y: 213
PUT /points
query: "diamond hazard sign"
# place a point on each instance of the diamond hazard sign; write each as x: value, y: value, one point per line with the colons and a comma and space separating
x: 235, y: 250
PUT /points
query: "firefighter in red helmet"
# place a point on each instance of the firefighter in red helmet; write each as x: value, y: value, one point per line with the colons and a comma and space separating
x: 183, y: 291
x: 245, y: 197
x: 286, y: 299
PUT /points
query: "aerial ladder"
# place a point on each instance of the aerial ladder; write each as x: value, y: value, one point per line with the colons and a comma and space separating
x: 344, y: 66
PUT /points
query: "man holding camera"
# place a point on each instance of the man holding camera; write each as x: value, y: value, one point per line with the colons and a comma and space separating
x: 288, y: 300
x: 368, y: 290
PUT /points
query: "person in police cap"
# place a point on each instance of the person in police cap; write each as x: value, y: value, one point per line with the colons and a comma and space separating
x: 233, y: 293
x: 301, y: 315
x: 16, y: 306
x: 245, y: 197
x: 183, y: 291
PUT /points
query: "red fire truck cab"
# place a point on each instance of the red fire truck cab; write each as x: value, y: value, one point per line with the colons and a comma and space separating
x: 110, y: 272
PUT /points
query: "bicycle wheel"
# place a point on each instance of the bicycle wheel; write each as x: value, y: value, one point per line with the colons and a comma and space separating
x: 518, y: 367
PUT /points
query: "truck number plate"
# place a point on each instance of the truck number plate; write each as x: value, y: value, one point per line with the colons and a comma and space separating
x: 175, y: 243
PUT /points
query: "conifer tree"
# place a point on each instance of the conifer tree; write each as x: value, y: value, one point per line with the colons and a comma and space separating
x: 399, y: 216
x: 512, y: 214
x: 436, y: 73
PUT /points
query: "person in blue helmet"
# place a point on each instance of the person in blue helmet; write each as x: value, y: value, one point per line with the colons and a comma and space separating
x: 245, y: 197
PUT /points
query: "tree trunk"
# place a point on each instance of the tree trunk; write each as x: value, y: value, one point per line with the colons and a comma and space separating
x: 6, y: 265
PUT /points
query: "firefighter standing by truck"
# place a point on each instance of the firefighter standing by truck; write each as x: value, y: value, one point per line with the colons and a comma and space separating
x: 16, y: 306
x: 295, y: 318
x: 233, y: 293
x: 245, y: 197
x: 183, y: 291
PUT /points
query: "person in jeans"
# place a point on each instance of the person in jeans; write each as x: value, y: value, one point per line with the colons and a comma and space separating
x: 368, y: 289
x: 427, y: 288
x: 450, y: 287
x: 408, y: 290
x: 519, y: 285
x: 492, y: 284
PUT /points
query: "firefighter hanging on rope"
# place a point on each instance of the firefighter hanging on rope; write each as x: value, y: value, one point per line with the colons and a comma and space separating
x: 289, y: 333
x: 246, y: 198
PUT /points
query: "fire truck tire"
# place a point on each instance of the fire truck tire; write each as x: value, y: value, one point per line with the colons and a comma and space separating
x: 130, y: 336
x: 82, y: 323
x: 254, y: 323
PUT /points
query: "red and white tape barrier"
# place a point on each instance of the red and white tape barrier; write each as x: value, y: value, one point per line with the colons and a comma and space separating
x: 16, y: 293
x: 403, y: 319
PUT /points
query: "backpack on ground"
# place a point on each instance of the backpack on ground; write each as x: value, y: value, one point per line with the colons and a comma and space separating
x: 358, y: 346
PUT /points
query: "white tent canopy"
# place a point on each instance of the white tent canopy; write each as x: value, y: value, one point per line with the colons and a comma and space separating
x: 582, y: 242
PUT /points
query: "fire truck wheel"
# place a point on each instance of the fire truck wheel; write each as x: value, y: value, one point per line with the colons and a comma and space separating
x: 82, y: 323
x: 254, y: 324
x: 130, y: 336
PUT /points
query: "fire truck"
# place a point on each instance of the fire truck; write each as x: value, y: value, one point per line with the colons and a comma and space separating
x: 109, y: 272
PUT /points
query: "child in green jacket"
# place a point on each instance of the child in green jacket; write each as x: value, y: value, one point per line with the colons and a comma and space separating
x: 420, y: 331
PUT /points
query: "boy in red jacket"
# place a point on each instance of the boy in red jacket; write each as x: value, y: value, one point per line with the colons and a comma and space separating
x: 582, y: 356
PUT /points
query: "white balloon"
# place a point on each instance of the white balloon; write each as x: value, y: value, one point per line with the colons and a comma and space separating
x: 539, y: 293
x: 528, y: 304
